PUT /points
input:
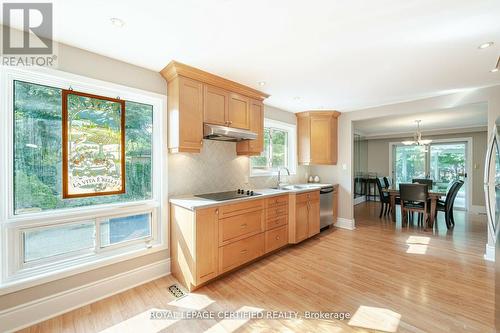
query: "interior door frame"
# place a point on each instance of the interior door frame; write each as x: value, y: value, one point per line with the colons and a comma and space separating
x: 469, y: 157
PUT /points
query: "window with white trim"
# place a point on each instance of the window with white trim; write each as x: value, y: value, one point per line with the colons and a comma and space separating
x: 279, y: 149
x: 43, y: 233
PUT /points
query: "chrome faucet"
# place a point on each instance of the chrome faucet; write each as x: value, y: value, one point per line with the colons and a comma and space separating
x: 279, y: 176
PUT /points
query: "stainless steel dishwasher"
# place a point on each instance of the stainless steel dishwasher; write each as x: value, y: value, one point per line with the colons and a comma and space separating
x: 326, y: 206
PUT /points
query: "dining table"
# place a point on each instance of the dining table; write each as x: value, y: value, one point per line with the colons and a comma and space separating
x: 435, y: 193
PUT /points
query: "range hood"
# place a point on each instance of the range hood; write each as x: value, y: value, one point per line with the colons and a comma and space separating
x: 223, y: 133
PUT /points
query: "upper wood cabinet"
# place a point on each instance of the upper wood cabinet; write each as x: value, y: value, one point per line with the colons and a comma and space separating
x: 215, y: 105
x: 195, y: 96
x: 254, y: 147
x: 185, y: 115
x: 317, y: 137
x: 222, y: 107
x: 239, y: 111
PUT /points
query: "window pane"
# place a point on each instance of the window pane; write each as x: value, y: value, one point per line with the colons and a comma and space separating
x: 123, y: 229
x: 280, y: 149
x: 62, y: 239
x: 95, y: 144
x: 262, y: 161
x: 38, y: 153
x: 409, y: 163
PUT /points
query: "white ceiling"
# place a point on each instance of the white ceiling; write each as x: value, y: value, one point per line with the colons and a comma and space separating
x: 334, y: 54
x: 465, y: 117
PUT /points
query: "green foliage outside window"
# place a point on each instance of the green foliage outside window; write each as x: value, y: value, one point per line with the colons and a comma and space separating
x: 38, y: 151
x: 275, y: 153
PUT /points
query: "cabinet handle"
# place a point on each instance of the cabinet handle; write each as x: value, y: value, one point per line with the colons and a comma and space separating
x: 201, y: 142
x: 277, y: 237
x: 230, y: 122
x: 243, y: 251
x: 217, y: 211
x: 243, y: 226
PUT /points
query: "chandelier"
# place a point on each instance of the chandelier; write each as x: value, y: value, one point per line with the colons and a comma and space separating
x: 417, y: 138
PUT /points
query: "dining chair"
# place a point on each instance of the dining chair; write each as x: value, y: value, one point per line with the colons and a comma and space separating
x: 447, y: 205
x: 414, y: 198
x: 384, y: 199
x: 425, y: 181
x: 387, y: 184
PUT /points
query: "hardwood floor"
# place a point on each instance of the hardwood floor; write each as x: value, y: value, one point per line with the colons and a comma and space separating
x: 389, y: 278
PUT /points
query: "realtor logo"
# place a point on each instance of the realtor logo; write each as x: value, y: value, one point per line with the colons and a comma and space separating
x: 27, y: 34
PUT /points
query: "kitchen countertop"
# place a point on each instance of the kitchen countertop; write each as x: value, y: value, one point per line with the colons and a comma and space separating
x: 192, y: 203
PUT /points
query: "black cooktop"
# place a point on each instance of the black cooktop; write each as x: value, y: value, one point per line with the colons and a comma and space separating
x: 229, y: 195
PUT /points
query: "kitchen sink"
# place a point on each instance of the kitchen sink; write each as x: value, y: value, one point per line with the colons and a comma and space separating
x: 291, y: 187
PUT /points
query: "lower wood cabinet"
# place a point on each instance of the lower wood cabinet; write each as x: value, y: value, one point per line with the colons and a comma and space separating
x: 240, y: 252
x: 206, y: 244
x: 305, y: 219
x: 276, y: 238
x: 211, y: 241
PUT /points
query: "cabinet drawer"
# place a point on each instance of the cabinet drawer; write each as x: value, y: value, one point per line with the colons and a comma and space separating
x: 277, y: 201
x: 240, y: 226
x: 276, y: 238
x: 308, y: 196
x: 241, y: 208
x: 276, y: 222
x: 240, y: 252
x: 276, y: 211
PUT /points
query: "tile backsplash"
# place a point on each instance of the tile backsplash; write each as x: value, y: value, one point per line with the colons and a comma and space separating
x: 217, y: 168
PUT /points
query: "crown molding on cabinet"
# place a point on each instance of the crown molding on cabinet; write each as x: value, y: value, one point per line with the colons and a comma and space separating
x: 174, y: 69
x: 332, y: 113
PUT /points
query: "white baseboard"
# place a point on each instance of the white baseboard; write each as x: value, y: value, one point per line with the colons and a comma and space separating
x: 359, y: 200
x: 490, y: 253
x: 477, y: 209
x: 30, y: 313
x: 345, y: 223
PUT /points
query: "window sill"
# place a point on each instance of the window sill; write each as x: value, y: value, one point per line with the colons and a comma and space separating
x: 24, y: 282
x: 270, y: 174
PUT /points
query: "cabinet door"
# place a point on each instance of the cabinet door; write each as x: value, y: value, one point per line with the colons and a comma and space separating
x: 190, y: 126
x: 239, y: 111
x: 304, y: 140
x: 321, y: 139
x: 257, y: 126
x: 215, y: 105
x: 313, y: 218
x: 206, y: 244
x: 254, y: 147
x: 301, y: 220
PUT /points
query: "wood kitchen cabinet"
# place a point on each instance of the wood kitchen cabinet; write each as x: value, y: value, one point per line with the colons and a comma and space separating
x: 317, y: 137
x: 196, y: 96
x: 254, y: 147
x: 194, y: 245
x: 215, y: 105
x: 185, y: 115
x: 238, y: 111
x: 301, y: 221
x: 305, y: 221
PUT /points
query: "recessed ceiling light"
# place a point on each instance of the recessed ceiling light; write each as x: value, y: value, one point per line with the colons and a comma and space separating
x: 296, y: 98
x: 262, y: 83
x: 494, y: 70
x: 485, y: 45
x: 117, y: 22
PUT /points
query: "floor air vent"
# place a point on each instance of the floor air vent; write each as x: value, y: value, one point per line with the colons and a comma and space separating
x: 176, y: 291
